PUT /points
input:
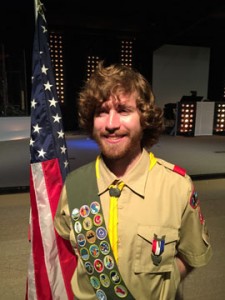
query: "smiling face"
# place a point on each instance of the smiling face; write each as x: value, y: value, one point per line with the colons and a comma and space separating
x: 117, y: 128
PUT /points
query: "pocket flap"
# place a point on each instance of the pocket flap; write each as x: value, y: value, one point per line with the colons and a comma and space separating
x: 170, y: 234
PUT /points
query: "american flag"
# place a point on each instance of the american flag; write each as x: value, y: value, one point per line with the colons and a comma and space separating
x: 52, y: 261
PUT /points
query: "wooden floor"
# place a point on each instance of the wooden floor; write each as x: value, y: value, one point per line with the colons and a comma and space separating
x: 205, y: 283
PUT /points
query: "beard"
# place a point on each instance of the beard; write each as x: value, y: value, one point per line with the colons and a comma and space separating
x: 124, y: 149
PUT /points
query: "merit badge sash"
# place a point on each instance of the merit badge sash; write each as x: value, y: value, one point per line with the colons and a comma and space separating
x: 92, y: 236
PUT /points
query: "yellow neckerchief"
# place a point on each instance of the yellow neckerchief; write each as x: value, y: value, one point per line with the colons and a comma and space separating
x: 113, y: 214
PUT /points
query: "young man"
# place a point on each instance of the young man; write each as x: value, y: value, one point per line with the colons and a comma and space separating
x: 134, y: 220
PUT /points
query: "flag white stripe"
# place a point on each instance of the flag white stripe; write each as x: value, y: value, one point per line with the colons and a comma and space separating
x: 32, y: 294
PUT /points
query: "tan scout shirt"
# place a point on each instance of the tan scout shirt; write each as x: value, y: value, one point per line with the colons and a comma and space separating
x: 156, y: 202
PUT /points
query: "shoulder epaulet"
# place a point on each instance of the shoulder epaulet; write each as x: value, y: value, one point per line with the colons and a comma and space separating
x: 172, y: 167
x: 179, y: 170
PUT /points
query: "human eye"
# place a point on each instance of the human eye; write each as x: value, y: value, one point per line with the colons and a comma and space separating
x: 124, y: 110
x: 101, y: 111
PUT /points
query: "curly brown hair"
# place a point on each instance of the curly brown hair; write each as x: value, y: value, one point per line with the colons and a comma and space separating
x: 106, y: 81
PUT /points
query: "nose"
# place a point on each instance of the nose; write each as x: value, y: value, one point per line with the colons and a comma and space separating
x: 113, y: 120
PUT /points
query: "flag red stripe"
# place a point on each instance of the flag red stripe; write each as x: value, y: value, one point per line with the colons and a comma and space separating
x: 43, y: 289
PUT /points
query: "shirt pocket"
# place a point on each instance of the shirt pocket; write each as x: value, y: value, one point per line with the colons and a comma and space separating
x: 148, y: 262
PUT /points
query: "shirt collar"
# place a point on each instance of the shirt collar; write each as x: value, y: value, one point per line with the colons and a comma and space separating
x: 135, y: 179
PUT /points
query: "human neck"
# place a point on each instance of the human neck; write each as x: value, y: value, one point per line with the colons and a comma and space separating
x: 121, y: 166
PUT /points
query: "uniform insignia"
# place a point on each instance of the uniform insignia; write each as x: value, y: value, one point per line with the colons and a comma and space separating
x: 101, y: 233
x: 98, y: 265
x: 81, y: 240
x: 120, y: 291
x: 77, y: 227
x: 100, y: 294
x: 194, y: 202
x: 75, y: 215
x: 91, y: 236
x: 94, y: 250
x: 109, y: 262
x: 179, y: 170
x: 84, y: 253
x: 84, y: 211
x: 95, y: 207
x: 115, y: 277
x: 104, y: 279
x: 157, y: 249
x: 104, y: 247
x: 87, y: 223
x: 98, y: 220
x: 89, y: 268
x: 95, y: 282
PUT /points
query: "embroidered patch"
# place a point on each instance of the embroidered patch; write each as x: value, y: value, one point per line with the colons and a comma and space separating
x: 104, y: 279
x: 100, y: 294
x: 120, y: 291
x: 194, y: 201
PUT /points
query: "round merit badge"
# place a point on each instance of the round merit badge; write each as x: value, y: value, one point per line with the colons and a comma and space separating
x: 84, y: 210
x: 105, y: 280
x: 95, y: 207
x: 101, y: 295
x: 98, y: 265
x: 87, y: 223
x: 115, y: 277
x: 95, y: 282
x: 84, y: 253
x: 91, y: 236
x: 75, y: 215
x: 94, y: 250
x: 120, y: 291
x: 101, y: 233
x: 81, y: 240
x: 77, y: 227
x: 104, y: 247
x: 98, y: 220
x: 89, y: 267
x: 109, y: 262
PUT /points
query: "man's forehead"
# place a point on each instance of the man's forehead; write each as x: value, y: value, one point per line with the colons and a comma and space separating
x: 121, y: 99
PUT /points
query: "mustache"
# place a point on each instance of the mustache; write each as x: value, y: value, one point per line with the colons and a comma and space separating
x: 114, y: 133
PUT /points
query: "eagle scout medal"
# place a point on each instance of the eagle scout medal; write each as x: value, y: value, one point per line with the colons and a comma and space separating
x: 157, y: 249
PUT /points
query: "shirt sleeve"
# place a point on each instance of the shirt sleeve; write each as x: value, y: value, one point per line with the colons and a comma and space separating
x: 194, y: 245
x: 62, y: 219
